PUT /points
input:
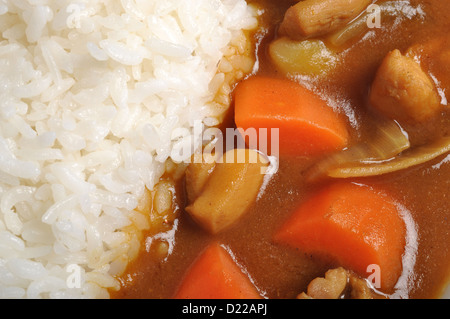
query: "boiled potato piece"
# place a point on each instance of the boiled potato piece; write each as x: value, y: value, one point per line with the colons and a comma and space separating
x: 309, y: 57
x: 197, y: 174
x: 232, y: 187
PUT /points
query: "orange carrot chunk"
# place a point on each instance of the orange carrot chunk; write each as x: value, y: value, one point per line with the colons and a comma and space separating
x: 307, y: 125
x: 354, y: 225
x: 214, y: 275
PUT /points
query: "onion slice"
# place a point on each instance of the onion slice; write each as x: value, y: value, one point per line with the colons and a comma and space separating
x: 417, y: 156
x: 390, y: 12
x: 389, y: 141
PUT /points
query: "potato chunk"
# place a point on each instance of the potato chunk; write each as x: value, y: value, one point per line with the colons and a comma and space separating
x: 197, y: 174
x: 232, y: 187
x: 309, y: 57
x: 403, y: 91
x: 313, y: 18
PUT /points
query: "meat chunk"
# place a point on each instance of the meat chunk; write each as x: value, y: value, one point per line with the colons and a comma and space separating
x: 330, y: 287
x: 312, y: 18
x: 230, y: 189
x: 338, y: 283
x: 359, y: 289
x: 403, y: 91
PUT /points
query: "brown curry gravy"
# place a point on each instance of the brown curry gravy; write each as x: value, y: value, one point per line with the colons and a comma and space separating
x: 281, y: 272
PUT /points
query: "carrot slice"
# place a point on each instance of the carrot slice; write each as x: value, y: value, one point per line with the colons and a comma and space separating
x: 355, y: 225
x: 307, y: 125
x: 214, y: 275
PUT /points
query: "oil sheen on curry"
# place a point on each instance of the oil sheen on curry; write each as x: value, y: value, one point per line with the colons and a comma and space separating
x: 357, y: 206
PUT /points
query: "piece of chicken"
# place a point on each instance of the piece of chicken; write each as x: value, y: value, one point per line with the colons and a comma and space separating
x: 338, y: 283
x: 403, y: 91
x: 313, y: 18
x: 330, y: 287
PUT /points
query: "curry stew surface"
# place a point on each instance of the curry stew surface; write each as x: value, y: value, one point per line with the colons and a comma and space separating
x: 283, y: 272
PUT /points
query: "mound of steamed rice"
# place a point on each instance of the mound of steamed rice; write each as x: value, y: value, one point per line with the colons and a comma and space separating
x: 93, y: 97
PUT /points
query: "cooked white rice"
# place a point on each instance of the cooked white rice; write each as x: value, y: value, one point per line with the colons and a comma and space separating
x: 93, y: 94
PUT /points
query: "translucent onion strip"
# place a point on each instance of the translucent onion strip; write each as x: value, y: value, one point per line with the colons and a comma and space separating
x: 389, y: 141
x: 390, y: 12
x: 412, y: 158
